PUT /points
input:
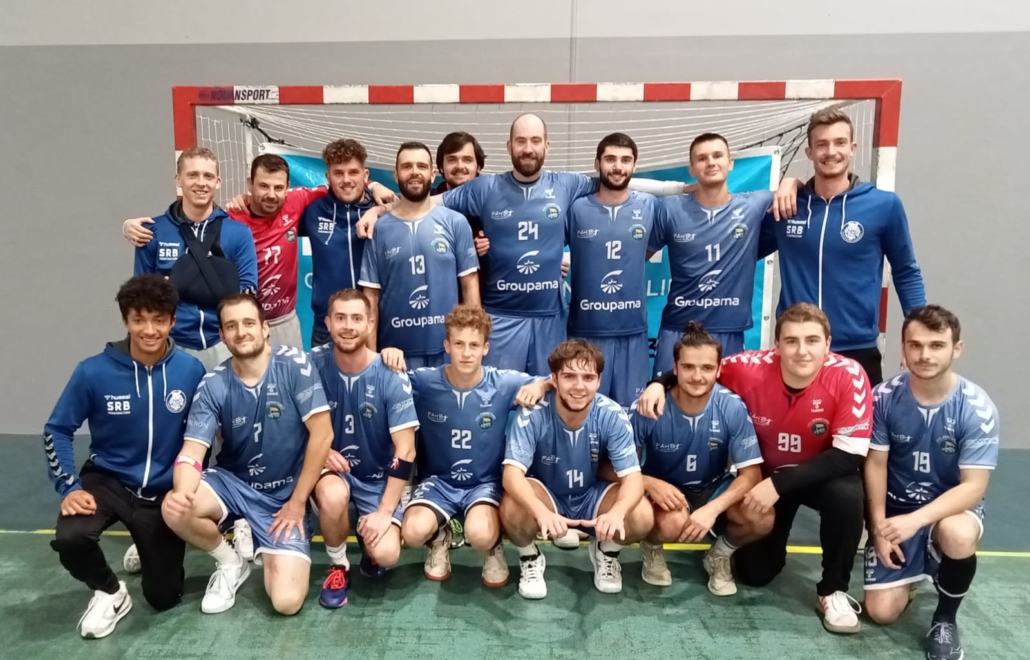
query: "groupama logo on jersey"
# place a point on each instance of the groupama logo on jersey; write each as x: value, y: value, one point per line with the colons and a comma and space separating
x: 609, y: 283
x: 418, y: 298
x: 527, y: 264
x: 708, y: 281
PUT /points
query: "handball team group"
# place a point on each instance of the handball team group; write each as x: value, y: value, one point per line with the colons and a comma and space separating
x: 451, y: 388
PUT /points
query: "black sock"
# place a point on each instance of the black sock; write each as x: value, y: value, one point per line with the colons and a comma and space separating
x: 953, y: 580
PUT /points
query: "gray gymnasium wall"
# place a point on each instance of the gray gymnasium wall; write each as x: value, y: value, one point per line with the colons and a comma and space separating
x: 86, y: 133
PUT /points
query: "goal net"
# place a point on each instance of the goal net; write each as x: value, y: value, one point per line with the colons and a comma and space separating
x: 764, y: 123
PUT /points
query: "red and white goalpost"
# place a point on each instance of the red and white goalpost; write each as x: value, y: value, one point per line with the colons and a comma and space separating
x: 239, y: 122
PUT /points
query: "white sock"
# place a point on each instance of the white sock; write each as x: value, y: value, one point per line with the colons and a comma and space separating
x: 225, y: 554
x: 723, y: 547
x: 611, y: 547
x: 528, y: 551
x: 338, y: 555
x: 440, y: 533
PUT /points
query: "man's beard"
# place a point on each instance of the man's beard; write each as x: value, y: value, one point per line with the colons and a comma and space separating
x: 607, y: 182
x: 528, y: 169
x: 411, y: 195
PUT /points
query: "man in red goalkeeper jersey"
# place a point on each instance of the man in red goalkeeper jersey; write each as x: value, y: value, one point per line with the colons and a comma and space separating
x: 812, y: 411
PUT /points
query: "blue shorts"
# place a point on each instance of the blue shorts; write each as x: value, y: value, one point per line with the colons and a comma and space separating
x: 524, y: 343
x: 583, y: 507
x: 732, y: 343
x: 413, y: 362
x: 238, y: 500
x: 366, y: 495
x: 698, y: 497
x: 922, y: 558
x: 625, y: 366
x: 449, y: 500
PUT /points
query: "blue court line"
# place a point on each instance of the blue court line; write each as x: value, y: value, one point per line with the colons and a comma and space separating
x: 687, y: 547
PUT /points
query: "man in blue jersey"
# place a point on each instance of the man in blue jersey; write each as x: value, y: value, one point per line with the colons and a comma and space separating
x: 414, y: 264
x: 372, y: 457
x: 686, y: 455
x: 551, y: 480
x: 229, y: 243
x: 268, y: 405
x: 711, y: 237
x: 607, y: 234
x: 135, y: 397
x: 463, y: 411
x: 935, y: 442
x: 831, y: 253
x: 523, y: 215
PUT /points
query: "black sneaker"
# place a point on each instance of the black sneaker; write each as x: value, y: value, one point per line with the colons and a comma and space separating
x: 943, y: 643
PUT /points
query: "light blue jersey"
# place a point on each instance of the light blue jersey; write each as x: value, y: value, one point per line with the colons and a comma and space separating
x: 366, y: 408
x: 565, y: 460
x: 929, y: 446
x: 264, y: 437
x: 462, y: 431
x: 712, y: 255
x: 695, y: 451
x: 525, y: 223
x: 608, y: 252
x: 416, y: 266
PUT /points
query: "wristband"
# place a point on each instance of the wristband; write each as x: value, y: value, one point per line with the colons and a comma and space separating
x: 124, y: 224
x: 401, y: 469
x: 186, y: 460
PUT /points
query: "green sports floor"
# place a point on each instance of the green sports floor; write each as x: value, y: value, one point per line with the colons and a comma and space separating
x: 406, y: 616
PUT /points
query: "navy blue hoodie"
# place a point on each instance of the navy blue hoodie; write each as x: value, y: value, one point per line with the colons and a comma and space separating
x: 196, y: 328
x: 137, y: 417
x: 831, y: 255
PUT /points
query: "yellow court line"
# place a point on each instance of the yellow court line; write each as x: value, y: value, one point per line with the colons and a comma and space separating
x: 688, y: 547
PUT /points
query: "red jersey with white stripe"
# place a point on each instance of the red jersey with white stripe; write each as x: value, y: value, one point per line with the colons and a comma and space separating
x: 276, y: 238
x: 835, y: 410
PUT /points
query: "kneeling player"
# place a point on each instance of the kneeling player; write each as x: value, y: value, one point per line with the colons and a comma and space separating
x: 276, y: 432
x: 463, y: 410
x: 685, y: 457
x: 935, y: 441
x: 374, y: 448
x: 551, y: 472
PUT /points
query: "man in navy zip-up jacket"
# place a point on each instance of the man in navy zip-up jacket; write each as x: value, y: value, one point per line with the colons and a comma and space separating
x: 831, y: 253
x: 135, y: 395
x: 330, y: 223
x: 196, y: 329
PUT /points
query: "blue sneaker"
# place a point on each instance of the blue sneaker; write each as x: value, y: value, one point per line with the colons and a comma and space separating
x: 942, y: 642
x: 334, y: 589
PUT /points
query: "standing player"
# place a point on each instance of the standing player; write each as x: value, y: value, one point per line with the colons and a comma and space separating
x: 463, y: 411
x: 268, y: 405
x: 607, y: 234
x: 523, y: 214
x: 551, y: 480
x: 712, y: 241
x: 832, y: 253
x: 417, y: 258
x: 196, y: 322
x: 935, y: 442
x: 686, y: 456
x: 812, y: 412
x: 135, y: 396
x: 459, y: 159
x: 271, y: 211
x: 373, y: 454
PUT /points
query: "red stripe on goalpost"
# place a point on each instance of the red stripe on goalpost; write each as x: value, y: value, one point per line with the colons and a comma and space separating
x: 762, y: 91
x: 389, y: 94
x: 666, y: 91
x: 481, y: 94
x: 887, y: 94
x: 301, y: 95
x: 573, y: 93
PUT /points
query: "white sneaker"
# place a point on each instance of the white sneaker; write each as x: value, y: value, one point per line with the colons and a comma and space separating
x: 495, y: 568
x: 243, y: 539
x: 654, y: 569
x: 720, y: 574
x: 438, y: 558
x: 104, y: 612
x: 222, y: 587
x: 531, y: 577
x: 840, y: 613
x: 130, y: 562
x: 568, y: 542
x: 607, y: 569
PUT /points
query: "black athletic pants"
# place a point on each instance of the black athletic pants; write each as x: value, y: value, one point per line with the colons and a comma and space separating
x: 871, y: 360
x: 161, y: 552
x: 841, y: 506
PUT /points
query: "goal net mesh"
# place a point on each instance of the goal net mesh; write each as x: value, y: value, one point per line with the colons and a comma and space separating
x: 662, y: 131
